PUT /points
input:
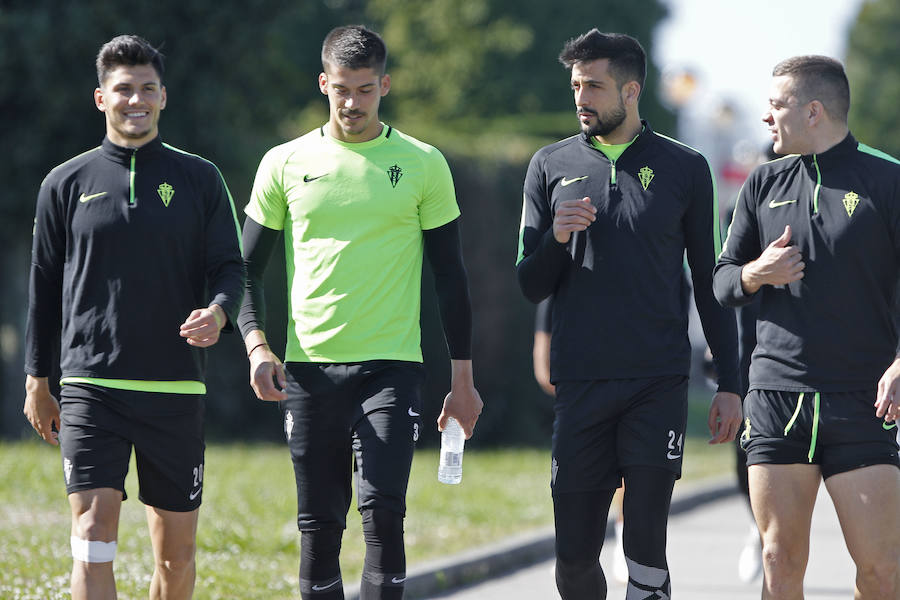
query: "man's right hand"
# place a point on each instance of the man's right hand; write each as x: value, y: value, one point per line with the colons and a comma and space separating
x: 41, y: 408
x: 572, y: 215
x: 779, y: 264
x: 265, y: 368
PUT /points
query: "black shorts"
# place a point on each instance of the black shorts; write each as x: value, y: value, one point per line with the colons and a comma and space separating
x: 100, y: 426
x: 837, y: 431
x: 342, y: 418
x: 603, y: 427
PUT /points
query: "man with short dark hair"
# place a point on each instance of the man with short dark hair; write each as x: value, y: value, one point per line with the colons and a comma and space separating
x: 816, y: 236
x: 136, y: 266
x: 607, y: 218
x: 359, y: 202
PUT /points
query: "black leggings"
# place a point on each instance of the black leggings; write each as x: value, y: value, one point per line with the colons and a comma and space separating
x: 580, y: 520
x: 581, y: 526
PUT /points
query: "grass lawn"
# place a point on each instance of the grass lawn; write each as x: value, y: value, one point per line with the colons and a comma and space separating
x: 248, y: 540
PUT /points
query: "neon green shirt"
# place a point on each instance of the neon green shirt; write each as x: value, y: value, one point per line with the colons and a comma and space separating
x: 352, y: 216
x: 612, y: 151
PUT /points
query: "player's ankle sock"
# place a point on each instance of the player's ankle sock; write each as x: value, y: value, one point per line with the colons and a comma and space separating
x: 647, y: 583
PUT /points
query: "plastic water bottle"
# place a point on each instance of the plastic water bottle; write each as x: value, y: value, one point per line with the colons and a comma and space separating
x: 452, y: 444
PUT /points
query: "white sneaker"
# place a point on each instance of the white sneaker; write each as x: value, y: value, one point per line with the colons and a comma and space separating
x: 620, y: 566
x: 750, y: 560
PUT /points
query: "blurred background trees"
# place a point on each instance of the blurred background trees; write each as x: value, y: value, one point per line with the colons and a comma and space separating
x: 873, y: 58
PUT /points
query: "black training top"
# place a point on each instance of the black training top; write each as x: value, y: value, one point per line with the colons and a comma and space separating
x: 833, y: 330
x: 619, y: 311
x: 128, y: 242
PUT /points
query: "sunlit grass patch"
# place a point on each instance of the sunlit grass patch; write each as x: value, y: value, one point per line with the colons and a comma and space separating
x: 248, y: 544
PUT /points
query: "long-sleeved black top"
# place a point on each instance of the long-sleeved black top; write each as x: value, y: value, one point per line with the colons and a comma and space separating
x: 618, y: 307
x: 127, y: 242
x: 832, y: 330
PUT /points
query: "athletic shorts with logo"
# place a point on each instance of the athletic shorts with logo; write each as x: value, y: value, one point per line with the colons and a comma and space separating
x: 100, y: 426
x: 839, y: 435
x: 603, y: 427
x: 351, y: 420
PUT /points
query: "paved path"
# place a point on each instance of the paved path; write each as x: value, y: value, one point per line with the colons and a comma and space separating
x: 704, y: 544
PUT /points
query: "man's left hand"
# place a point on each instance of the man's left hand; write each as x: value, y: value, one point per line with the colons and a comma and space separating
x: 203, y: 325
x: 724, y: 417
x: 887, y: 404
x: 463, y: 403
x: 464, y: 406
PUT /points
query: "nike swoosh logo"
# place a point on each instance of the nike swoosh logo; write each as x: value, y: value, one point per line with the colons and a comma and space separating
x: 774, y: 204
x: 84, y: 198
x: 413, y: 413
x: 398, y: 579
x: 319, y: 588
x: 671, y: 456
x: 307, y: 178
x: 887, y: 427
x: 566, y: 182
x: 195, y: 494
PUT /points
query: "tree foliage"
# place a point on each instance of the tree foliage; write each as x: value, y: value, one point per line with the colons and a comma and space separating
x: 491, y: 65
x: 872, y: 54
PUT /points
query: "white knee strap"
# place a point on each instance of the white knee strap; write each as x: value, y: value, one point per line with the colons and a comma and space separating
x: 92, y: 551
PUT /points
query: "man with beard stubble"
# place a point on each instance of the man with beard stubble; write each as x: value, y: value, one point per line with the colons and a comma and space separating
x: 607, y: 218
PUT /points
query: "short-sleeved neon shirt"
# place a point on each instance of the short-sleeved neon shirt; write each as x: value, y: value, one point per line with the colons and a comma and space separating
x: 352, y: 216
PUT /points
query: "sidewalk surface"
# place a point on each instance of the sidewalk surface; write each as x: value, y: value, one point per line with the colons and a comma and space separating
x: 707, y: 530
